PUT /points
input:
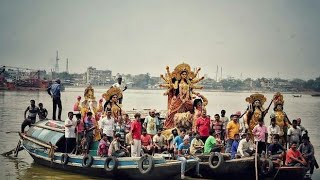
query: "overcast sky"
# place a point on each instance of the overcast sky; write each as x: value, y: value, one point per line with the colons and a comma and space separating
x: 255, y: 38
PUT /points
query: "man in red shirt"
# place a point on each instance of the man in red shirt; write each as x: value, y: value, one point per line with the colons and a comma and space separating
x: 136, y: 128
x: 146, y: 142
x: 203, y: 126
x: 294, y: 157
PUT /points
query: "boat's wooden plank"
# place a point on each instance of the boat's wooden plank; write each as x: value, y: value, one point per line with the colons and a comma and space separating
x: 37, y: 141
x: 49, y: 128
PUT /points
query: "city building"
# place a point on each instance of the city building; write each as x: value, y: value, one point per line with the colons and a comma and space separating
x: 98, y: 77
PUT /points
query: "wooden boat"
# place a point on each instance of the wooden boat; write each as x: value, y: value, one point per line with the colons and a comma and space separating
x: 45, y: 142
x: 274, y: 170
x: 315, y: 95
x: 223, y: 166
x: 297, y: 95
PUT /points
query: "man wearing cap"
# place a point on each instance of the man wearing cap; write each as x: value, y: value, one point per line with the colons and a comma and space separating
x: 55, y: 92
x: 119, y: 84
x: 232, y: 129
x: 184, y: 154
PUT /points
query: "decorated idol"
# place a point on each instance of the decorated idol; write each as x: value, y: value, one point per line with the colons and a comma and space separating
x: 180, y: 85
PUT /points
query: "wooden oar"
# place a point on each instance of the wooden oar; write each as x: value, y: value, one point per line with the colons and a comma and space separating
x: 12, y: 132
x: 256, y: 161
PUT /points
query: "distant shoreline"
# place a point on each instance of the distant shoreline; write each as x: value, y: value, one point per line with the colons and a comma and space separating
x: 211, y: 90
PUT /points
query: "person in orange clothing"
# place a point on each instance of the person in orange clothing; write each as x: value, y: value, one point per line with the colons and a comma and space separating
x: 294, y: 157
x: 232, y: 129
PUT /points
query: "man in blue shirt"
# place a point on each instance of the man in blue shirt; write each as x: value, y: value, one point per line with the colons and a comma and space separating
x: 184, y: 154
x: 55, y: 92
x: 234, y: 146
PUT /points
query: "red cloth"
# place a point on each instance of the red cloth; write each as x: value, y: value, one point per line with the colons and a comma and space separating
x: 203, y: 126
x: 291, y: 153
x: 136, y: 130
x: 145, y: 140
x: 80, y: 126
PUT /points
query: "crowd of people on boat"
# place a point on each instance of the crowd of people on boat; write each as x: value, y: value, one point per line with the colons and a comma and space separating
x: 187, y: 130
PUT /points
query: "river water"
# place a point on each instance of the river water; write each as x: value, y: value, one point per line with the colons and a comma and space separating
x: 13, y: 104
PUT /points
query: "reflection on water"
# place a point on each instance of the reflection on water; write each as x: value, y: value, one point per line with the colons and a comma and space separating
x: 13, y: 105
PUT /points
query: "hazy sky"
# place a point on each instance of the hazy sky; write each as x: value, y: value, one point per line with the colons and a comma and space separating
x: 255, y: 38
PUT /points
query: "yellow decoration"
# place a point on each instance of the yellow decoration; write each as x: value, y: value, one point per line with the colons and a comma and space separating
x: 111, y: 92
x: 256, y: 97
x: 278, y: 99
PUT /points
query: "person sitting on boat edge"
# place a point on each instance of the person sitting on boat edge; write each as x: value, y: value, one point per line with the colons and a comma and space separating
x: 276, y: 150
x: 294, y: 157
x: 307, y: 150
x: 103, y: 146
x: 211, y: 144
x: 197, y: 145
x: 146, y: 143
x: 115, y: 147
x: 32, y: 110
x: 43, y: 113
x: 234, y: 146
x: 159, y: 142
x: 184, y: 154
x: 69, y: 133
x: 178, y: 140
x: 246, y: 146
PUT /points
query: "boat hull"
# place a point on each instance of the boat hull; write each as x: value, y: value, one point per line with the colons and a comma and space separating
x: 167, y: 170
x: 244, y: 168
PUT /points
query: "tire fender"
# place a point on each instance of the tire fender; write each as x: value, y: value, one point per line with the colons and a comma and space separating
x: 107, y: 163
x: 146, y: 158
x: 64, y: 158
x: 87, y: 161
x: 213, y: 163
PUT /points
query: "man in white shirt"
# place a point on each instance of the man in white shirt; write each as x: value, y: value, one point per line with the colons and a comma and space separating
x: 294, y: 133
x: 107, y: 126
x: 69, y: 132
x: 151, y: 123
x: 245, y: 148
x: 273, y: 129
x: 159, y: 142
x: 120, y: 85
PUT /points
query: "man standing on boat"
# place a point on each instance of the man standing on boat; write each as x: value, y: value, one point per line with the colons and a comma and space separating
x: 119, y: 84
x: 55, y: 92
x: 69, y: 132
x: 232, y: 129
x: 151, y: 123
x: 136, y: 129
x: 33, y: 111
x: 260, y: 133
